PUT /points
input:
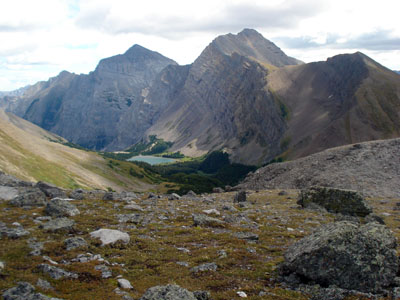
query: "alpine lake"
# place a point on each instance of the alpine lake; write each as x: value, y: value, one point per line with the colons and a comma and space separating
x: 152, y: 160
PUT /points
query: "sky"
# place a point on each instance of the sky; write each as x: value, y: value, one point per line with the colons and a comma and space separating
x: 41, y: 38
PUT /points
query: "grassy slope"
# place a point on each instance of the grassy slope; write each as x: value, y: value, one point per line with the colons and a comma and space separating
x: 30, y: 153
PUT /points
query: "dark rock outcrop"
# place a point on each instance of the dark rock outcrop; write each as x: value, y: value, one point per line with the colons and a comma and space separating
x: 335, y: 200
x: 51, y: 190
x: 240, y: 197
x: 345, y: 255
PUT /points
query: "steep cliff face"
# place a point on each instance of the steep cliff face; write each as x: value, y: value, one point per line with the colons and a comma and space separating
x: 103, y: 110
x: 223, y: 103
x: 347, y: 99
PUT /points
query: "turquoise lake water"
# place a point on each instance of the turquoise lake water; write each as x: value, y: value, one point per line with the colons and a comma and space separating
x: 152, y: 160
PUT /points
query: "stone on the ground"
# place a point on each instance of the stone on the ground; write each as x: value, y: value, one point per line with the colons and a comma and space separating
x: 240, y: 197
x: 250, y: 236
x: 174, y: 196
x: 24, y: 291
x: 30, y: 197
x: 36, y: 247
x: 218, y: 190
x: 12, y: 233
x: 211, y: 211
x: 204, y: 220
x: 8, y: 193
x: 210, y: 267
x: 59, y: 224
x: 167, y: 292
x: 105, y: 271
x: 74, y: 242
x: 191, y: 194
x: 202, y: 295
x: 51, y: 190
x: 58, y: 207
x: 111, y: 196
x: 133, y: 206
x: 2, y: 266
x: 346, y: 255
x: 44, y: 284
x: 130, y: 218
x: 124, y: 284
x: 110, y: 236
x: 77, y: 194
x: 54, y: 272
x: 335, y: 200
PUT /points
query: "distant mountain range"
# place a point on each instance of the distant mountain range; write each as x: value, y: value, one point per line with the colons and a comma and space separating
x: 242, y: 94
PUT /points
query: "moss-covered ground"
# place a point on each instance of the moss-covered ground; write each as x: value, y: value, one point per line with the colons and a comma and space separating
x: 165, y: 239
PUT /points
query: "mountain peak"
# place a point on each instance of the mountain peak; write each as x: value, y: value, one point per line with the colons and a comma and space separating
x: 252, y: 44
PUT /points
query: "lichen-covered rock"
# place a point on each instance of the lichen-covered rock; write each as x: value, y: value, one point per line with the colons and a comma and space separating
x: 335, y: 200
x: 74, y: 242
x: 54, y: 272
x: 203, y: 220
x: 24, y: 291
x: 167, y: 292
x: 58, y: 207
x: 345, y: 255
x: 59, y: 224
x: 110, y: 236
x: 207, y: 267
x: 29, y: 197
x: 13, y: 233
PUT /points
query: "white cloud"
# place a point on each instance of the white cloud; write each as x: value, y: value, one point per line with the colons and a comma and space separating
x: 40, y: 38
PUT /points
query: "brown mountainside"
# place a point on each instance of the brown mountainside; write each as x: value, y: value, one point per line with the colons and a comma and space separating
x: 347, y: 99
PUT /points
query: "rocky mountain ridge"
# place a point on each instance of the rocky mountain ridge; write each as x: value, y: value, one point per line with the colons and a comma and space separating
x: 371, y: 168
x: 242, y: 95
x: 105, y: 108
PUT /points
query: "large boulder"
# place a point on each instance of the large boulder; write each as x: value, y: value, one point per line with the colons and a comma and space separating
x: 59, y: 225
x: 110, y: 236
x: 167, y: 292
x: 204, y: 220
x: 58, y: 207
x: 346, y: 255
x: 24, y: 291
x: 334, y: 200
x: 51, y: 190
x: 8, y: 180
x: 30, y: 197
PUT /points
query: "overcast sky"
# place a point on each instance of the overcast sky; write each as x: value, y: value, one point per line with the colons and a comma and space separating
x: 40, y: 38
